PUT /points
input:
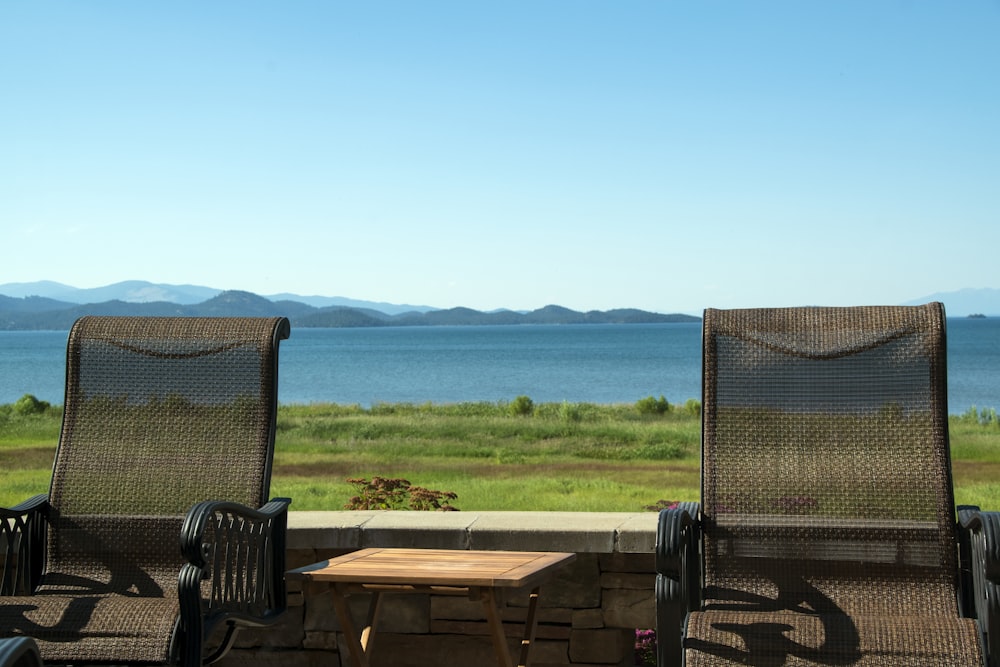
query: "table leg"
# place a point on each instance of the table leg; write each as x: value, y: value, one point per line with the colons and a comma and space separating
x: 530, y: 626
x: 368, y: 632
x: 357, y: 645
x: 488, y: 596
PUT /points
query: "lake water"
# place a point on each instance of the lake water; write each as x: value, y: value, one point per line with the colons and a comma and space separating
x: 615, y: 363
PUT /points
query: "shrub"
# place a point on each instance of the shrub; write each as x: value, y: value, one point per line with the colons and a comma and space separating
x: 652, y: 406
x: 570, y: 412
x: 382, y: 493
x: 522, y: 406
x: 693, y: 407
x: 984, y: 417
x: 29, y: 405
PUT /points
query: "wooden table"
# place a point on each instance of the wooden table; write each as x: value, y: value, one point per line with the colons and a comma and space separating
x: 477, y: 574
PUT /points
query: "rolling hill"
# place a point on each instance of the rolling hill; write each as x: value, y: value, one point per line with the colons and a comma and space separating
x: 43, y: 313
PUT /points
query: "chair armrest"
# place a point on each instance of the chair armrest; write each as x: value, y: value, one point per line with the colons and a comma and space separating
x: 22, y: 539
x: 241, y: 550
x: 19, y: 652
x: 979, y: 558
x: 235, y: 570
x: 678, y: 577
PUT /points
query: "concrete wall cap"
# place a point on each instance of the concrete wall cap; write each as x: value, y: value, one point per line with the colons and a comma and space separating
x: 582, y: 532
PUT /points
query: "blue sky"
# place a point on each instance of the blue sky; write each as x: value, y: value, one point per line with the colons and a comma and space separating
x: 662, y: 155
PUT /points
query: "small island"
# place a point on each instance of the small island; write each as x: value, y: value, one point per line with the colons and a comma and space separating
x: 977, y: 316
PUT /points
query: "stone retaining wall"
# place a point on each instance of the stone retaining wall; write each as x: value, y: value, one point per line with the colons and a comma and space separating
x: 588, y: 612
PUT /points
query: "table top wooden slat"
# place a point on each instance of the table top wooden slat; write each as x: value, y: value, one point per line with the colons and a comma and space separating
x: 436, y: 567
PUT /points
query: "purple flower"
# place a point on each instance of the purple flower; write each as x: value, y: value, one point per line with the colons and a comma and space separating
x: 663, y: 505
x: 645, y: 647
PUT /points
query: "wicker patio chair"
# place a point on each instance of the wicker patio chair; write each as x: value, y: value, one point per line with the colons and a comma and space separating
x: 826, y: 532
x: 156, y: 540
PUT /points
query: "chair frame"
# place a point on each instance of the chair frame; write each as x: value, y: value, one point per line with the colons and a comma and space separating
x: 19, y: 652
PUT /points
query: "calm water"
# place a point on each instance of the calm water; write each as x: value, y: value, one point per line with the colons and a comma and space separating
x: 576, y: 363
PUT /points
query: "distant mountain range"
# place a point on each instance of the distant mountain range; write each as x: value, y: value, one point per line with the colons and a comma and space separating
x: 140, y: 291
x: 960, y: 303
x: 53, y: 306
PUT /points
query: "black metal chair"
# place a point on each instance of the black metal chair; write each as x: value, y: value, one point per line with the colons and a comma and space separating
x: 156, y: 530
x: 826, y: 532
x: 19, y: 652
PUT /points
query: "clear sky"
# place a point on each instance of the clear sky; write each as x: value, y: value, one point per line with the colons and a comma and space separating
x: 506, y: 153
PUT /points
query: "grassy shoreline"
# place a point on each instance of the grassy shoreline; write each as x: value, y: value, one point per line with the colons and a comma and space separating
x: 495, y: 456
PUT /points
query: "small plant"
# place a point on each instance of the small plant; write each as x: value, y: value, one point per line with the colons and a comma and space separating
x: 522, y: 406
x: 652, y: 406
x: 422, y: 499
x: 645, y: 648
x: 662, y: 505
x: 382, y: 493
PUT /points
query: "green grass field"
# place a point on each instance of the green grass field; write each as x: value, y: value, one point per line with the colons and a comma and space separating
x: 556, y: 456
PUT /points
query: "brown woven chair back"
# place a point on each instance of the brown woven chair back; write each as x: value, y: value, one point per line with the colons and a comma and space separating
x: 160, y: 413
x: 826, y: 475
